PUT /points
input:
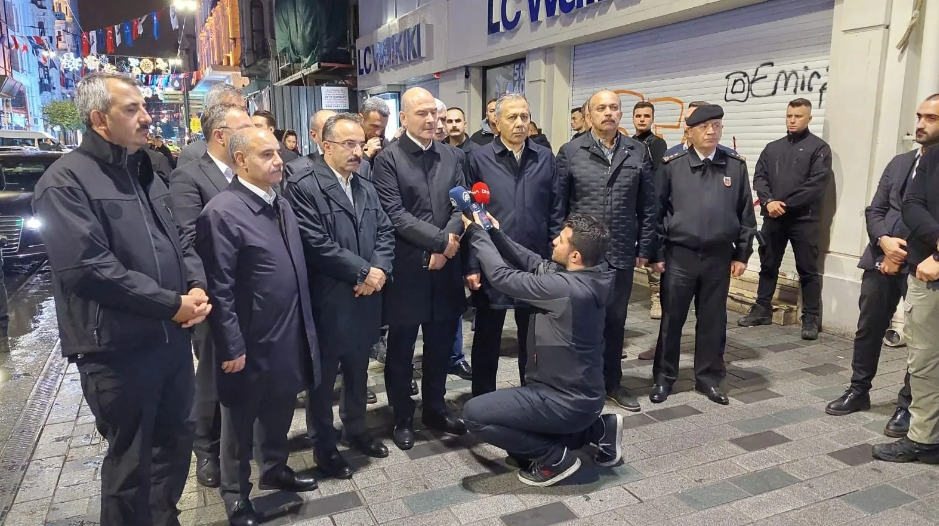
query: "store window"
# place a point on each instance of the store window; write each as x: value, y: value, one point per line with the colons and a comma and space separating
x: 504, y: 78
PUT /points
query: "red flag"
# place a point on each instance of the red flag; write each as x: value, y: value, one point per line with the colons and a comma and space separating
x: 16, y: 45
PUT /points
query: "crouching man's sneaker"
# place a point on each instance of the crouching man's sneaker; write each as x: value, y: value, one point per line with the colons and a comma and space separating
x: 609, y: 448
x: 548, y: 475
x: 905, y: 450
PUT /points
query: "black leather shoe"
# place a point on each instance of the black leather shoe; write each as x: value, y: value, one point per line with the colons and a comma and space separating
x: 899, y: 423
x: 332, y: 464
x: 758, y: 315
x: 444, y: 422
x: 851, y: 401
x: 809, y: 327
x: 462, y: 369
x: 207, y: 472
x: 623, y: 398
x: 905, y: 450
x: 370, y: 397
x: 403, y: 434
x: 714, y: 394
x: 368, y: 446
x: 414, y: 389
x: 289, y: 480
x: 242, y: 513
x: 660, y: 393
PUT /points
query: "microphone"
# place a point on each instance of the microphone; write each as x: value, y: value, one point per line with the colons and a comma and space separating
x: 460, y: 199
x: 481, y: 196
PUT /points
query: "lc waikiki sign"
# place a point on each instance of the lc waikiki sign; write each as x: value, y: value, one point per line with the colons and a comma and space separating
x: 400, y: 48
x: 504, y: 15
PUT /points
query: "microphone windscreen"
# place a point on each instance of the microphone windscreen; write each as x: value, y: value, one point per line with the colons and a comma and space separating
x: 460, y: 198
x: 481, y: 193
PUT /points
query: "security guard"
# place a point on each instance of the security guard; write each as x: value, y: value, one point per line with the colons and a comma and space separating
x: 706, y: 226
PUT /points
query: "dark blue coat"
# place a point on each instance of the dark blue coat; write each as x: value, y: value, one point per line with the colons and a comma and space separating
x: 525, y: 199
x: 884, y: 215
x: 260, y: 295
x: 341, y: 243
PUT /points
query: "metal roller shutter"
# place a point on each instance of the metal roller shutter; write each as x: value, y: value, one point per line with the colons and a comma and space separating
x: 751, y: 60
x: 432, y: 85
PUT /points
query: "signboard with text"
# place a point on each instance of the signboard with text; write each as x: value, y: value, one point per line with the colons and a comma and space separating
x: 406, y: 46
x: 506, y: 15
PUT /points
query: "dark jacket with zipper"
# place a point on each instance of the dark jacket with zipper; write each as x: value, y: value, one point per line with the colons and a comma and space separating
x: 118, y: 263
x: 565, y: 338
x: 621, y: 193
x: 921, y: 209
x: 795, y: 170
x: 884, y: 215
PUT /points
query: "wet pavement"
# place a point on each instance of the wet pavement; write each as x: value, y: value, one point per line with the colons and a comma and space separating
x: 772, y: 457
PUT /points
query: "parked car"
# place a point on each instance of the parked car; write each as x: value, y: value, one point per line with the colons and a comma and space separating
x: 20, y: 170
x: 30, y: 139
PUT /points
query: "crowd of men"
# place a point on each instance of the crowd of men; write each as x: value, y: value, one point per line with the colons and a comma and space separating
x: 282, y: 274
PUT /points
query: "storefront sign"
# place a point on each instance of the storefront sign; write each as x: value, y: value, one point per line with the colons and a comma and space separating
x: 504, y: 16
x: 335, y: 97
x: 395, y: 50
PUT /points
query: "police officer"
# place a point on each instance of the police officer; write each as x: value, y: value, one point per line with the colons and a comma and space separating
x: 706, y: 224
x: 790, y: 181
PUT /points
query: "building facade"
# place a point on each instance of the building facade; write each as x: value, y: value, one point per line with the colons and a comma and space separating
x: 750, y: 56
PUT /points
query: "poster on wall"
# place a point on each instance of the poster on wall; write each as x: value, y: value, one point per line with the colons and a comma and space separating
x: 506, y: 78
x: 335, y: 97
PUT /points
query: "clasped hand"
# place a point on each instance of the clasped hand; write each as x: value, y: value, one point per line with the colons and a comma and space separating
x: 193, y: 309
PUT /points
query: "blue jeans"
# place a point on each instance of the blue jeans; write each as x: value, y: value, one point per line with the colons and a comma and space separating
x: 456, y: 356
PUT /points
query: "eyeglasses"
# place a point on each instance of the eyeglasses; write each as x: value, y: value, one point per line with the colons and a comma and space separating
x: 705, y: 126
x: 350, y: 145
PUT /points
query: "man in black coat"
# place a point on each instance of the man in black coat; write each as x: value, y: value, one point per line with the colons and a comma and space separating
x: 265, y: 338
x: 608, y: 175
x: 414, y: 176
x: 349, y: 245
x: 120, y: 276
x: 220, y: 93
x: 375, y: 114
x: 191, y: 187
x: 523, y: 184
x: 885, y: 276
x: 790, y: 180
x: 455, y: 123
x: 488, y: 129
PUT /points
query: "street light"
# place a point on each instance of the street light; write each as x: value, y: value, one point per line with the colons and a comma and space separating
x: 184, y: 6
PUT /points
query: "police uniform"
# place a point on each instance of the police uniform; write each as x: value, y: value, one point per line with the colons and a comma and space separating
x: 705, y: 221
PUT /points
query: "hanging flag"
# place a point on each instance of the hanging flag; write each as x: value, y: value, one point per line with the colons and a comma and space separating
x: 110, y: 40
x: 117, y: 35
x: 38, y: 42
x: 129, y: 32
x: 93, y: 42
x: 85, y: 44
x: 156, y: 25
x: 101, y: 40
x: 135, y: 26
x: 16, y: 45
x: 140, y: 22
x: 174, y: 20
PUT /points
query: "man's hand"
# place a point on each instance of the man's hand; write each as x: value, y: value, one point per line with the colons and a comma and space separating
x: 453, y: 246
x: 495, y: 223
x: 928, y: 270
x: 437, y: 261
x: 372, y: 147
x: 466, y: 221
x: 198, y: 293
x: 889, y: 267
x: 659, y: 267
x: 473, y: 281
x: 362, y: 289
x: 641, y: 262
x: 893, y: 248
x: 234, y: 366
x: 400, y: 132
x: 376, y: 278
x: 776, y: 208
x: 737, y: 268
x: 192, y: 308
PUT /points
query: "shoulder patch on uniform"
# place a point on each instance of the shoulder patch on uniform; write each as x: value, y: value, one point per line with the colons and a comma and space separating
x: 735, y: 155
x: 674, y: 156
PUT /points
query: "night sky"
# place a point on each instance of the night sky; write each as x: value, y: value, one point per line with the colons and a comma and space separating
x: 99, y: 14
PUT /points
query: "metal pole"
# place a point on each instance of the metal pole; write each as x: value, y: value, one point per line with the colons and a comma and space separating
x: 186, y: 82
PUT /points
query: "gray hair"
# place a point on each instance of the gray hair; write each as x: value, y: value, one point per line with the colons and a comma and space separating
x: 375, y: 104
x: 330, y: 127
x: 441, y: 108
x: 92, y: 94
x: 213, y: 118
x: 508, y: 97
x: 238, y: 142
x: 222, y: 93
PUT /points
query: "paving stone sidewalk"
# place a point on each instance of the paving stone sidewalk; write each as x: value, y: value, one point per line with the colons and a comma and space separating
x: 772, y: 457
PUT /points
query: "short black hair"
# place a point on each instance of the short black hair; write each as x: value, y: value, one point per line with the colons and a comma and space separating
x: 698, y: 104
x: 459, y: 110
x: 800, y: 103
x: 577, y: 110
x: 589, y: 236
x: 267, y: 116
x: 644, y: 104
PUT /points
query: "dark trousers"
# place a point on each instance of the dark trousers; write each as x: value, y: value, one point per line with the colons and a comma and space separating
x: 259, y: 421
x: 206, y: 412
x: 803, y: 234
x: 438, y: 344
x: 704, y: 278
x: 529, y: 424
x: 486, y: 344
x: 878, y: 303
x: 614, y: 332
x: 141, y: 400
x: 352, y: 397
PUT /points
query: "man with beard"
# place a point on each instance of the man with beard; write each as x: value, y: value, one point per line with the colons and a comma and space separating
x: 374, y: 112
x: 487, y: 131
x: 455, y: 124
x: 885, y: 275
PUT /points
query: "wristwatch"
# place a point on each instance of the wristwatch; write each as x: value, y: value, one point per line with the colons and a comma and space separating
x: 935, y: 256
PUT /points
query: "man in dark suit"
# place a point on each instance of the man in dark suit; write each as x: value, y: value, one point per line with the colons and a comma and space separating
x: 265, y: 340
x: 885, y: 277
x: 414, y: 176
x: 220, y: 93
x: 191, y: 187
x: 349, y: 244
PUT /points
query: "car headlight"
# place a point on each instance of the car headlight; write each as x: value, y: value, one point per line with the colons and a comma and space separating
x: 33, y: 223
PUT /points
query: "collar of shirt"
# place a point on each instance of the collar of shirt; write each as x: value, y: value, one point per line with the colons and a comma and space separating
x: 268, y: 196
x: 607, y: 150
x: 418, y: 143
x: 345, y: 184
x: 224, y: 168
x: 518, y: 154
x: 919, y: 155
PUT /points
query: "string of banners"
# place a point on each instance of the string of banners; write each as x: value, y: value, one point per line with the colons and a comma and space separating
x: 107, y: 39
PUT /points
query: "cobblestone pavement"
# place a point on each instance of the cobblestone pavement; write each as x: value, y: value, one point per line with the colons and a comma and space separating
x: 772, y: 457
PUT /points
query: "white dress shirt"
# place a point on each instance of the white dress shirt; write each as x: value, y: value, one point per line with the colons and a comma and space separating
x: 224, y: 168
x: 268, y: 196
x: 344, y: 183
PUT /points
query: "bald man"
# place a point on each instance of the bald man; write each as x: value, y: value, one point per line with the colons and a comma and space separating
x: 317, y: 121
x: 303, y: 166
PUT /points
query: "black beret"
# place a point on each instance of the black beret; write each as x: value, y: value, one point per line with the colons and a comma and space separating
x: 704, y: 114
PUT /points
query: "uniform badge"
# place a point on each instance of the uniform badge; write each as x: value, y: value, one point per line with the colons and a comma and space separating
x: 727, y: 182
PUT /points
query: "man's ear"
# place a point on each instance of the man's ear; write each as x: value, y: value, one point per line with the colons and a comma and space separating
x: 98, y: 119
